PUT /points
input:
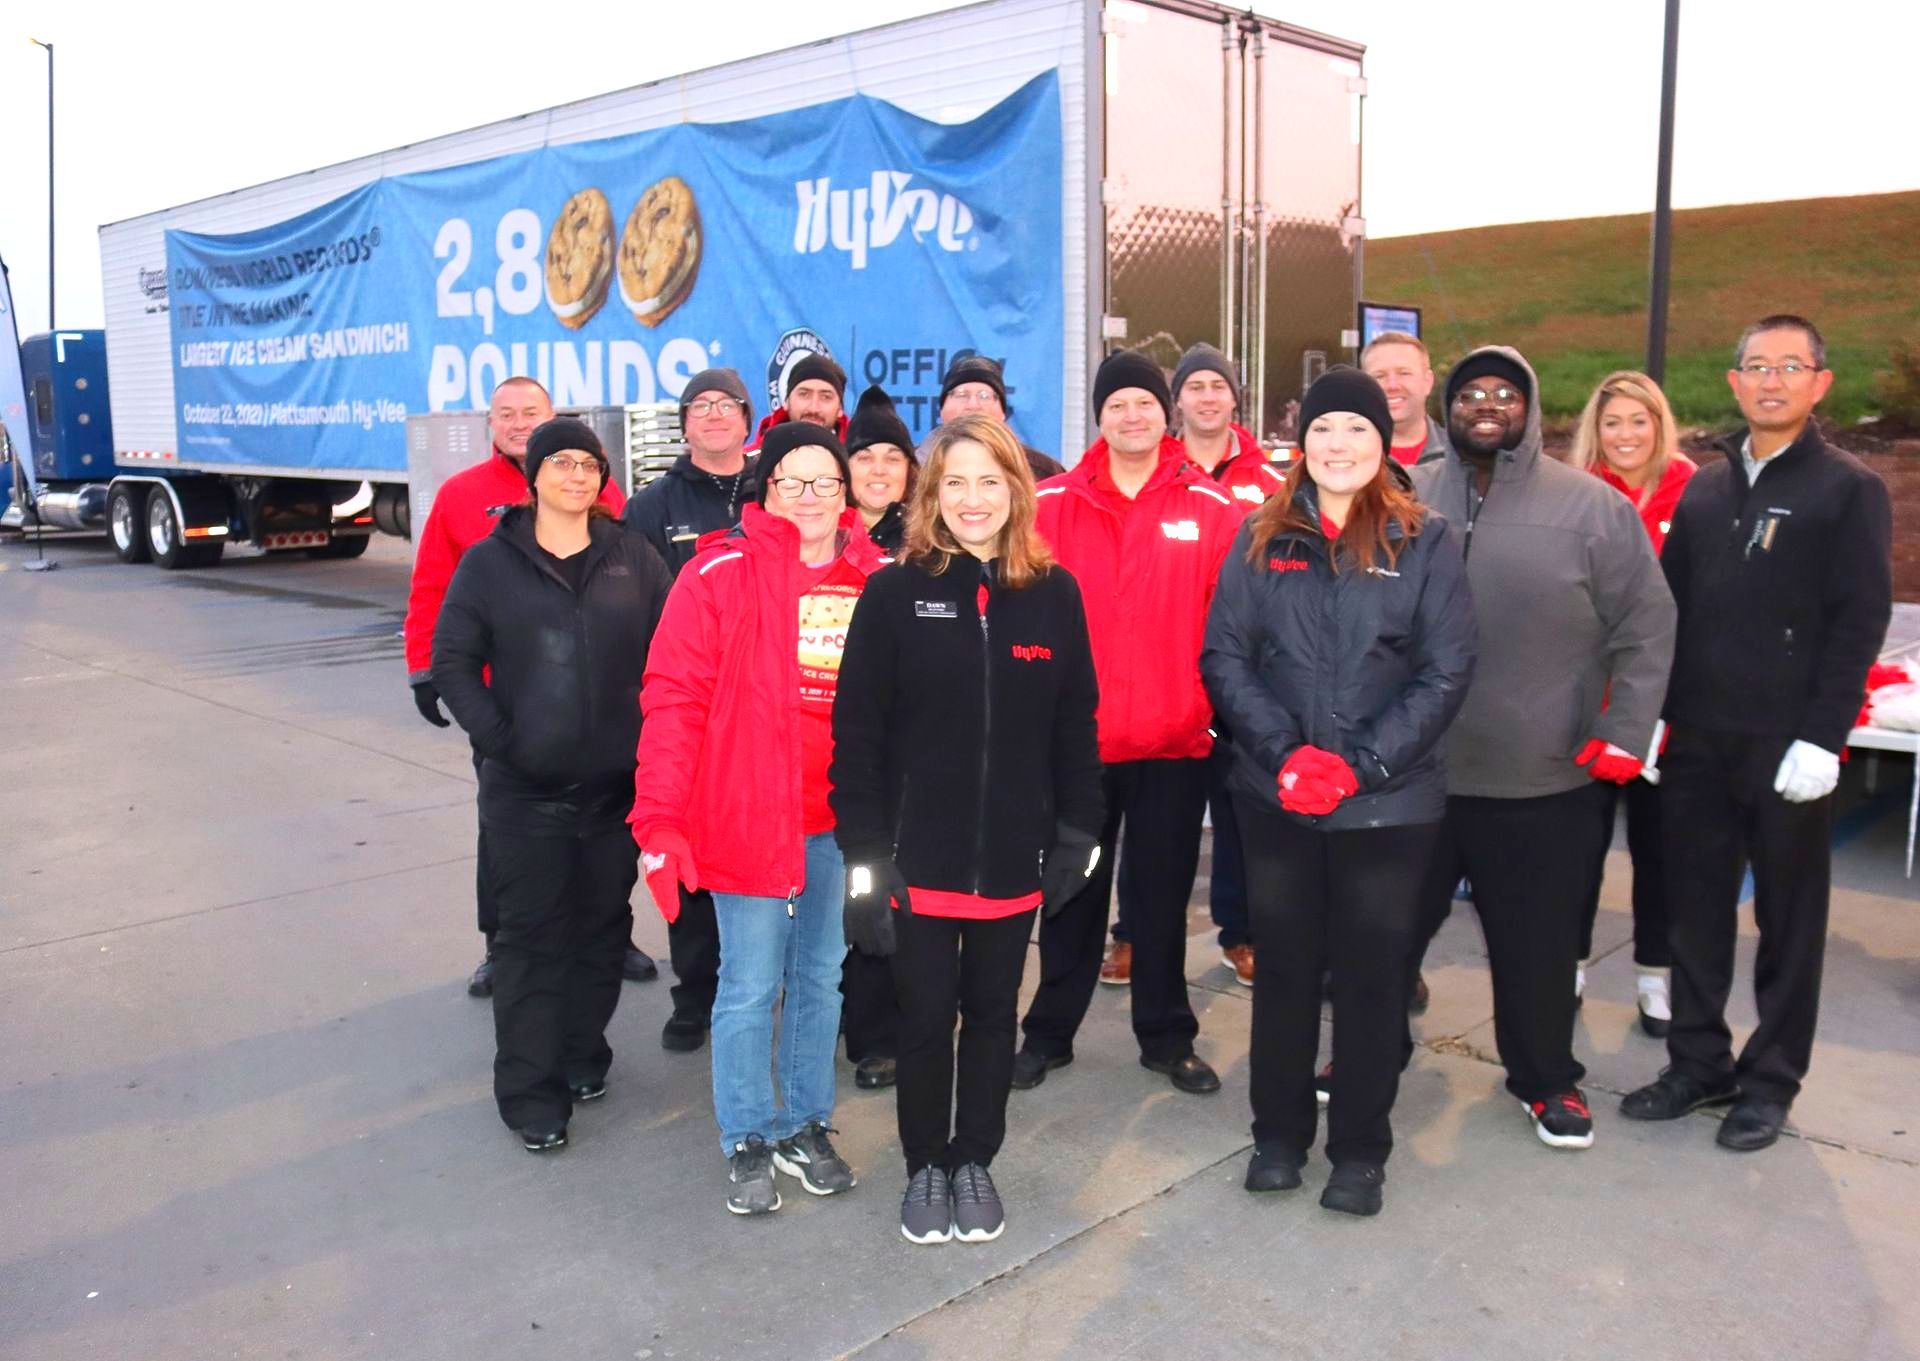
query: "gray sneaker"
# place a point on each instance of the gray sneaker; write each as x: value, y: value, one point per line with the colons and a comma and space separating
x: 809, y: 1156
x: 750, y: 1170
x: 977, y: 1216
x: 926, y: 1211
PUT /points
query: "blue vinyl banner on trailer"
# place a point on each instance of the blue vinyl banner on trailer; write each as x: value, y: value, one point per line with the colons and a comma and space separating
x: 614, y: 270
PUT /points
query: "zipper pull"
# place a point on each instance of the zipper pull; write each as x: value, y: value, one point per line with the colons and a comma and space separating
x: 790, y: 896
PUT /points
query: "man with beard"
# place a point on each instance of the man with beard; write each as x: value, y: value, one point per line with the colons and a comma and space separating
x: 1576, y: 635
x: 816, y: 393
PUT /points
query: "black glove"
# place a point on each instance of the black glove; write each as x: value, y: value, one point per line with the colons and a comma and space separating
x: 427, y: 700
x: 872, y: 888
x: 1069, y: 865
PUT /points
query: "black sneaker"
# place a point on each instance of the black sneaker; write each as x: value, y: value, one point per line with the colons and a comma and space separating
x: 1563, y: 1120
x: 926, y: 1211
x: 750, y: 1174
x: 977, y: 1213
x: 1275, y: 1167
x: 545, y: 1137
x: 1323, y: 1086
x: 871, y: 1074
x: 1030, y: 1069
x: 683, y: 1034
x: 1674, y: 1094
x: 809, y: 1156
x: 1354, y: 1188
x: 638, y: 966
x: 481, y: 984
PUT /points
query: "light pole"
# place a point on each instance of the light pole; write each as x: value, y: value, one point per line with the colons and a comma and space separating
x: 49, y: 46
x: 1662, y: 251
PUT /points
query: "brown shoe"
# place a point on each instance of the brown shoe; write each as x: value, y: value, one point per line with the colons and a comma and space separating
x: 1239, y: 958
x: 1117, y: 968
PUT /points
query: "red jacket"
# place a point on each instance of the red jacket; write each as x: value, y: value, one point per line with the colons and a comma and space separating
x: 720, y: 738
x: 1246, y: 474
x: 1656, y: 513
x: 462, y: 515
x: 779, y: 415
x: 1146, y: 569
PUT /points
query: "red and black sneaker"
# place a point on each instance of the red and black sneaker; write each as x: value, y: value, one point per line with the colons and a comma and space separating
x: 1562, y: 1121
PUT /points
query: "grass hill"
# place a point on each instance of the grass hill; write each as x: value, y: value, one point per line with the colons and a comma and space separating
x: 1572, y: 296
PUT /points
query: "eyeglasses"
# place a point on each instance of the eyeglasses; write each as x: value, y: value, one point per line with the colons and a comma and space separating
x: 1503, y: 396
x: 988, y: 397
x: 1790, y: 370
x: 567, y: 467
x: 823, y: 487
x: 710, y: 406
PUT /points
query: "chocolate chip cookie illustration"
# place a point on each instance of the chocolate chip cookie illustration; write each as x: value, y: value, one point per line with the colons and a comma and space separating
x: 660, y: 251
x: 580, y: 258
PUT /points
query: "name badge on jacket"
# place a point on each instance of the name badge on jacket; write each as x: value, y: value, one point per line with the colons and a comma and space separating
x: 935, y: 609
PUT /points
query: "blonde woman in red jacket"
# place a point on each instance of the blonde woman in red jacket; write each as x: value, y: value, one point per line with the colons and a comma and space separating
x: 1628, y: 439
x: 731, y: 796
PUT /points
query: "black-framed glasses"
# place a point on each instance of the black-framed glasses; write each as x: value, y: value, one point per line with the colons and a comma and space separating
x: 708, y: 406
x: 1792, y: 369
x: 823, y: 487
x: 1503, y: 395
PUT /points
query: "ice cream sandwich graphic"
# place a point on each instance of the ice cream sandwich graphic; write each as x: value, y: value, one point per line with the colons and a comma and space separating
x: 660, y: 251
x: 580, y: 258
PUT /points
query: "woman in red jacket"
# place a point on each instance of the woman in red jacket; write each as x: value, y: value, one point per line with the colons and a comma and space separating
x: 731, y: 796
x: 1628, y: 439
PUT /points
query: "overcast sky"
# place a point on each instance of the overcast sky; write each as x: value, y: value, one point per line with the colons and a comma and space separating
x: 1476, y: 114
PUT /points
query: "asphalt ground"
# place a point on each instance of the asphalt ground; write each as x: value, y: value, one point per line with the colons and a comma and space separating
x: 245, y: 1105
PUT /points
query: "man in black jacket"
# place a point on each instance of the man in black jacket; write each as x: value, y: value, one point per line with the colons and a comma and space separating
x: 700, y: 493
x: 976, y: 383
x: 1780, y: 560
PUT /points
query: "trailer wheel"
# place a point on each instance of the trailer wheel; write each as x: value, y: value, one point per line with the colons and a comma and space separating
x: 342, y: 546
x: 126, y: 523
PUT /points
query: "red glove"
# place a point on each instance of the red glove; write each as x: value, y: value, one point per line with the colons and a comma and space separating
x: 1314, y: 781
x: 1608, y: 762
x: 668, y: 866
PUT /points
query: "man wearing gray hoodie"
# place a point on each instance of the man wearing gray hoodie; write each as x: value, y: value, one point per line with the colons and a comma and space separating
x: 1576, y: 639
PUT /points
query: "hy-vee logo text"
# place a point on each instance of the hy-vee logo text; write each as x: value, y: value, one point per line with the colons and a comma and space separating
x: 860, y: 220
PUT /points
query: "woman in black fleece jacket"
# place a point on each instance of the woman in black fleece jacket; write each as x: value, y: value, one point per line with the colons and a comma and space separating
x: 538, y: 654
x: 966, y: 792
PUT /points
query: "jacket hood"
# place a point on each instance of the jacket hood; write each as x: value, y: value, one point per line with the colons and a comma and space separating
x: 515, y: 527
x: 760, y: 531
x: 1096, y: 465
x: 1522, y: 456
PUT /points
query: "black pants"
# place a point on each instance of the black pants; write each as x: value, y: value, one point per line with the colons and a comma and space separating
x: 1718, y: 813
x: 486, y: 915
x: 943, y: 968
x: 1650, y: 949
x: 1348, y: 902
x: 1532, y: 863
x: 1226, y: 870
x: 869, y: 1012
x: 693, y: 942
x: 1156, y: 807
x: 564, y: 924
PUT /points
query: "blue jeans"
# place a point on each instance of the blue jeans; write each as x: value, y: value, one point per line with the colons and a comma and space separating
x: 772, y: 951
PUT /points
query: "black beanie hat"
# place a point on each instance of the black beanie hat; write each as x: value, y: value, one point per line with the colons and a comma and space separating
x: 1130, y: 369
x: 817, y: 365
x: 563, y: 432
x: 975, y: 368
x: 1200, y: 358
x: 1344, y: 388
x: 782, y: 440
x: 1488, y: 364
x: 716, y: 380
x: 875, y: 421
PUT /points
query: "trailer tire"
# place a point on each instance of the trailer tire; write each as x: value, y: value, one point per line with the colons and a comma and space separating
x: 171, y: 552
x: 127, y: 523
x: 342, y: 546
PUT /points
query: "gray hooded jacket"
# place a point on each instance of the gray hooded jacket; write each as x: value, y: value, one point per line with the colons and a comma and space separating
x: 1573, y: 610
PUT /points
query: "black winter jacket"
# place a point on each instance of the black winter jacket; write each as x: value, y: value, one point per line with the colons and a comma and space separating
x: 889, y: 533
x: 676, y: 508
x: 1784, y: 590
x: 960, y: 739
x: 559, y: 723
x: 1372, y: 665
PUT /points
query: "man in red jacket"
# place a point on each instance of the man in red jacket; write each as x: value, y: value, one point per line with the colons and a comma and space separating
x: 816, y: 393
x: 1144, y: 532
x: 463, y: 514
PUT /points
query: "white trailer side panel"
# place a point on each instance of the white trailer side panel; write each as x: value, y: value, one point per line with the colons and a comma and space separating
x: 948, y: 67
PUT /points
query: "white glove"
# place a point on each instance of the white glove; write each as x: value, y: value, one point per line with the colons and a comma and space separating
x: 1806, y: 773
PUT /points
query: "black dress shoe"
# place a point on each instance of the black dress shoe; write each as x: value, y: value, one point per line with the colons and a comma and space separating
x: 1275, y: 1167
x: 1674, y: 1094
x: 1030, y: 1069
x: 1751, y: 1126
x: 871, y: 1074
x: 544, y: 1138
x: 481, y: 984
x: 1190, y: 1073
x: 683, y: 1034
x: 1354, y: 1188
x: 638, y: 967
x: 588, y: 1091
